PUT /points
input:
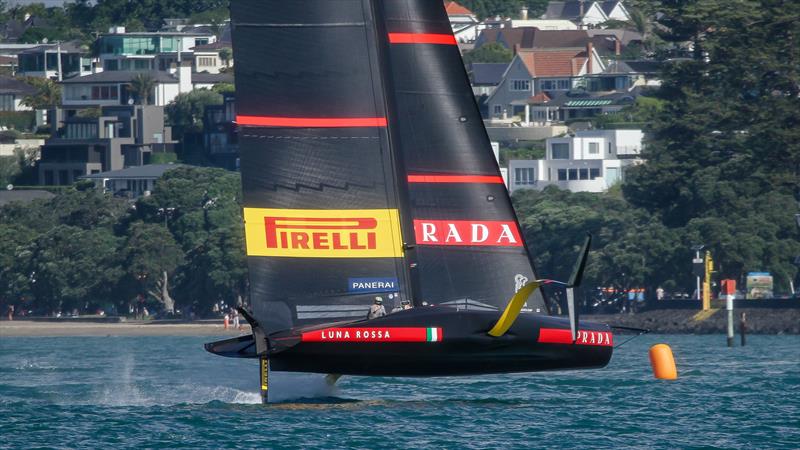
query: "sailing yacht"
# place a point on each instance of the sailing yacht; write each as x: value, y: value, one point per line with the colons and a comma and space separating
x: 368, y: 177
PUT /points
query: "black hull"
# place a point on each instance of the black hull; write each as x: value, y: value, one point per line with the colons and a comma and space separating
x: 464, y: 347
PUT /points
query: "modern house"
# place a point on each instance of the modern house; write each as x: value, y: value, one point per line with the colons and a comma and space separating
x: 541, y: 70
x: 220, y: 133
x: 147, y: 51
x: 587, y: 13
x: 463, y: 22
x: 42, y: 61
x: 122, y: 136
x: 212, y: 58
x: 132, y: 182
x: 109, y: 88
x: 12, y: 92
x: 589, y: 161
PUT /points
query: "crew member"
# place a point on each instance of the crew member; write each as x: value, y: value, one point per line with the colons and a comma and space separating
x: 377, y: 309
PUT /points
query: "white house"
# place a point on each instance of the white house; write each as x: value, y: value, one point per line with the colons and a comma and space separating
x: 586, y: 13
x: 463, y: 22
x: 589, y: 161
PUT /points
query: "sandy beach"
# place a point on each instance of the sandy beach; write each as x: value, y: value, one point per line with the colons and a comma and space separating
x: 25, y: 328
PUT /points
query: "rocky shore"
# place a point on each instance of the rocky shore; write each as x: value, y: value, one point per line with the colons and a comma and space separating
x: 686, y: 321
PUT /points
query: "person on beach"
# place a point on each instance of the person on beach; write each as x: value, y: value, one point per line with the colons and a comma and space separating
x: 235, y: 314
x: 10, y: 312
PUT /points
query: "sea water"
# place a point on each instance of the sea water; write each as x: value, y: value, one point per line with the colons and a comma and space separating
x: 145, y: 392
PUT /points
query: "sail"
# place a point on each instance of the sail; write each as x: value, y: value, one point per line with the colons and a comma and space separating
x: 319, y: 182
x: 469, y: 249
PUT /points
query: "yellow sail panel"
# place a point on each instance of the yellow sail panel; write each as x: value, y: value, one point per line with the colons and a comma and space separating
x: 323, y: 233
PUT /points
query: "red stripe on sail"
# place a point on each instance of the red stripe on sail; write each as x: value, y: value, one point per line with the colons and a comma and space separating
x: 422, y: 38
x: 311, y: 122
x: 487, y: 179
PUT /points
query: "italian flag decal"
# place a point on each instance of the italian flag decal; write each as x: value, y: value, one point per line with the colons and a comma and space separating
x: 374, y: 334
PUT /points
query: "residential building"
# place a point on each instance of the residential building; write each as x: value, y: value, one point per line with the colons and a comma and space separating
x: 12, y: 92
x: 463, y: 22
x: 485, y: 77
x: 132, y: 182
x: 220, y: 133
x: 42, y: 61
x: 589, y: 161
x: 543, y: 109
x: 542, y: 70
x: 210, y: 58
x: 147, y: 51
x: 109, y: 88
x: 122, y: 136
x: 586, y: 13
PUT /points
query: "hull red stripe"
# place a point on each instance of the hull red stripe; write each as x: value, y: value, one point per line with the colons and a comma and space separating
x: 585, y: 337
x: 486, y: 179
x: 311, y: 122
x: 422, y: 38
x: 374, y: 334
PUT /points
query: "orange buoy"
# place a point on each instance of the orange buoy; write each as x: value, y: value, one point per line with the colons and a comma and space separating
x: 663, y: 362
x: 225, y: 322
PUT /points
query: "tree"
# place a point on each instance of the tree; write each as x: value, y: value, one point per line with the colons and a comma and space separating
x: 226, y: 54
x: 489, y: 53
x: 142, y: 86
x: 186, y: 112
x: 47, y: 96
x: 150, y: 256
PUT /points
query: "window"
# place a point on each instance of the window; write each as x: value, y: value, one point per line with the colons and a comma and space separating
x: 555, y: 85
x: 63, y: 177
x: 207, y: 61
x: 523, y: 176
x: 562, y: 174
x: 111, y: 64
x: 573, y: 174
x: 584, y: 174
x: 105, y: 93
x: 6, y: 103
x: 594, y: 148
x: 141, y: 64
x: 559, y: 151
x: 609, y: 148
x: 48, y: 178
x: 594, y: 173
x: 200, y: 41
x: 498, y: 109
x: 520, y: 85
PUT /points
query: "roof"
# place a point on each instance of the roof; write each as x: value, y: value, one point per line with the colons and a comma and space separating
x: 218, y: 45
x: 212, y: 78
x: 531, y: 37
x: 570, y: 10
x: 558, y: 63
x: 624, y: 36
x: 490, y: 74
x: 609, y: 5
x: 7, y: 197
x: 121, y: 76
x: 540, y: 98
x: 14, y: 86
x: 454, y: 9
x: 66, y: 47
x: 581, y: 99
x: 150, y: 171
x: 158, y: 33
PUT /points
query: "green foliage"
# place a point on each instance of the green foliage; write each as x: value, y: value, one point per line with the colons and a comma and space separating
x: 489, y: 53
x: 642, y: 114
x: 48, y: 93
x: 142, y: 86
x: 185, y: 114
x: 163, y: 158
x: 18, y: 120
x: 85, y: 246
x: 222, y: 88
x: 534, y: 150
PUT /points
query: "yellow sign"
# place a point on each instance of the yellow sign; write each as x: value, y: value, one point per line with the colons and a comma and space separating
x: 323, y: 233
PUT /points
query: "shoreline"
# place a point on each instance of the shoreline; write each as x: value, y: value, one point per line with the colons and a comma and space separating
x: 32, y: 328
x: 759, y: 321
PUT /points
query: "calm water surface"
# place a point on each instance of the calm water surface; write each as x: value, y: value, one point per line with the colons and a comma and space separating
x: 149, y: 392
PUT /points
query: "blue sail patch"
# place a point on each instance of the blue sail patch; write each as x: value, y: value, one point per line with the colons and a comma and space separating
x: 372, y: 285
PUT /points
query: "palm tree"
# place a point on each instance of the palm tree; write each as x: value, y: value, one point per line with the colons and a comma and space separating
x: 225, y: 55
x: 48, y: 94
x: 141, y: 87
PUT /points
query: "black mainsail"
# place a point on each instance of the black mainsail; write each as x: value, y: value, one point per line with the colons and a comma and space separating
x: 357, y: 120
x: 367, y: 173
